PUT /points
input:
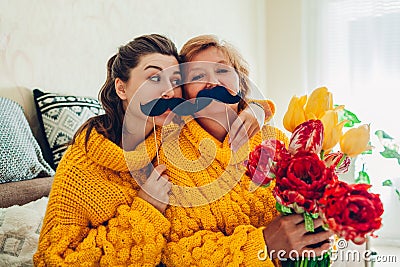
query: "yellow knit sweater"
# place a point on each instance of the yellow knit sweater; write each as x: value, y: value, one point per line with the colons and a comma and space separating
x: 214, y: 225
x: 93, y: 217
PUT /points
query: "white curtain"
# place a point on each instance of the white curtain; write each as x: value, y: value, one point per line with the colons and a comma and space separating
x: 353, y: 48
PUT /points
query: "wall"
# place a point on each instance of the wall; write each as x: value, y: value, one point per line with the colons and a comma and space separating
x: 63, y: 46
x: 284, y: 53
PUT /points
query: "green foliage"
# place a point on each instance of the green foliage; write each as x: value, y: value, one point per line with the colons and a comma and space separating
x: 283, y: 209
x: 391, y: 149
x: 349, y: 116
x: 363, y: 178
x: 387, y: 183
x: 383, y: 135
x: 390, y: 183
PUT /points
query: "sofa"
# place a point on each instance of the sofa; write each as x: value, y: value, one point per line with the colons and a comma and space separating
x: 35, y: 130
x: 25, y: 191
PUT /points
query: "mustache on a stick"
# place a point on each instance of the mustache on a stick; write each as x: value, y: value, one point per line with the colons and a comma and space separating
x: 183, y: 107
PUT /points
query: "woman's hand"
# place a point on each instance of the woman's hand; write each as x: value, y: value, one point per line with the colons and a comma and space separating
x: 288, y: 233
x: 156, y: 189
x: 246, y: 125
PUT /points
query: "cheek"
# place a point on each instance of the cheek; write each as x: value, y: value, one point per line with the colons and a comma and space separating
x: 191, y: 90
x: 178, y: 92
x: 146, y: 93
x: 232, y: 82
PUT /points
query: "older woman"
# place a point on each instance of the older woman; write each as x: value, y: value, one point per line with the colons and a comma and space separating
x: 218, y: 216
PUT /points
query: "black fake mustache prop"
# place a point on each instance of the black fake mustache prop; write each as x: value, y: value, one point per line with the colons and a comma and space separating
x: 183, y: 107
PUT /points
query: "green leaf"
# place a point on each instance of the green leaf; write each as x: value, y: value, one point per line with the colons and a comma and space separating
x: 387, y: 183
x: 397, y: 193
x: 363, y: 178
x: 309, y: 222
x: 314, y: 215
x: 349, y: 116
x: 392, y: 148
x: 383, y: 135
x: 283, y: 209
x: 390, y: 153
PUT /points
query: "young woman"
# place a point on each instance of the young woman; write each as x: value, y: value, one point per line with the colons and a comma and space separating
x: 97, y: 213
x: 217, y: 216
x: 107, y: 204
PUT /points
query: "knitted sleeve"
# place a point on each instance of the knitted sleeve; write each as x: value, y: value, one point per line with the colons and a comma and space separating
x: 134, y: 236
x: 88, y: 222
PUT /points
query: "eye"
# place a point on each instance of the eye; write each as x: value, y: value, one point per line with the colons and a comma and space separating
x: 176, y: 82
x: 198, y: 77
x: 222, y: 70
x: 155, y: 78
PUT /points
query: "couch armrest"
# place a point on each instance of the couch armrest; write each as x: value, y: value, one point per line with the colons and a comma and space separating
x: 23, y: 192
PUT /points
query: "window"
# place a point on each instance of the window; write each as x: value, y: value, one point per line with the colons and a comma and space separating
x: 353, y: 48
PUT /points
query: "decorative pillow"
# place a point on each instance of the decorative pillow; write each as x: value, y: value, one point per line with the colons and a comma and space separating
x: 60, y: 117
x: 20, y: 154
x: 19, y: 232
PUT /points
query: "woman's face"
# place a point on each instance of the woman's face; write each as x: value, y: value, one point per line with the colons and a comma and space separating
x: 206, y: 70
x: 156, y: 76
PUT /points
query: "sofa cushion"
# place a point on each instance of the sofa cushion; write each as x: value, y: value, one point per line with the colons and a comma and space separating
x: 60, y: 116
x: 24, y: 97
x: 20, y: 154
x: 19, y: 232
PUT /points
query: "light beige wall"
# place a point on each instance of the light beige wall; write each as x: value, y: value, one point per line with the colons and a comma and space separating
x: 284, y: 52
x: 63, y: 46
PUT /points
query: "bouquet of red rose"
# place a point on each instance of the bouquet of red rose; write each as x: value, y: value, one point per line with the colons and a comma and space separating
x: 306, y: 173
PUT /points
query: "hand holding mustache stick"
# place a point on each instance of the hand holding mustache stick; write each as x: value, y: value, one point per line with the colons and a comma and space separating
x: 183, y: 107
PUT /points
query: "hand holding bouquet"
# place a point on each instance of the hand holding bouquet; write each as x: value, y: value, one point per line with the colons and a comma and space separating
x: 306, y: 173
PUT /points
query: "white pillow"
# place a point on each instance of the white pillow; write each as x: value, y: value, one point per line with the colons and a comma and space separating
x: 19, y: 232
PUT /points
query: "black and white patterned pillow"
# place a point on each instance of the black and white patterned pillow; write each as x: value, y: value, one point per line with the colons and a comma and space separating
x: 20, y: 154
x: 60, y: 117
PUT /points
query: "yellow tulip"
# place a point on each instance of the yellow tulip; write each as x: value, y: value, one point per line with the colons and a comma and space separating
x: 319, y: 101
x: 332, y: 129
x: 355, y: 141
x: 295, y: 113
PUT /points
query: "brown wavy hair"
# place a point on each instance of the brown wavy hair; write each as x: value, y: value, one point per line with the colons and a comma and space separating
x: 119, y: 66
x: 199, y: 43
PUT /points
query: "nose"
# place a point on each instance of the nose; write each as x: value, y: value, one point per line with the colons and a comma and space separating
x: 210, y: 85
x: 212, y: 82
x: 168, y: 94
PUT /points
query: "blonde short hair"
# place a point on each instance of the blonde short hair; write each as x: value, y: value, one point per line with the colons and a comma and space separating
x: 197, y: 44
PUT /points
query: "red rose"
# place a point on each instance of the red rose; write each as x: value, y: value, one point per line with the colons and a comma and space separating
x: 260, y: 166
x: 301, y: 182
x: 307, y: 137
x: 351, y: 211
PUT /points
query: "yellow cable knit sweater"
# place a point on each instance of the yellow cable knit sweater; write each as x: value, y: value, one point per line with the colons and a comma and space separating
x: 221, y: 223
x: 93, y: 216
